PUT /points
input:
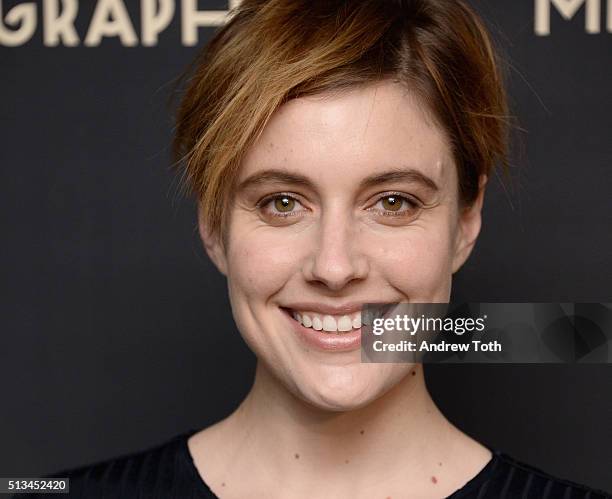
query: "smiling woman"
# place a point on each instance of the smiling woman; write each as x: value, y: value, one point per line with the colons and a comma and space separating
x: 339, y: 152
x: 338, y: 222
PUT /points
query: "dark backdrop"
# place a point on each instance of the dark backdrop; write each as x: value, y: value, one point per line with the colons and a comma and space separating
x: 115, y: 329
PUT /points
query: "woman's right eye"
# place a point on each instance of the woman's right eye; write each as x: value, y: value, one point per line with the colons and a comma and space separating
x: 281, y: 205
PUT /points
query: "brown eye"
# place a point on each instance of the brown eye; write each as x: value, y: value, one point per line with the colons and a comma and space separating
x: 397, y: 206
x: 284, y: 204
x: 281, y: 209
x: 392, y: 203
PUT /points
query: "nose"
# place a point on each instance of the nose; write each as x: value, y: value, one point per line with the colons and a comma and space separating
x: 337, y: 258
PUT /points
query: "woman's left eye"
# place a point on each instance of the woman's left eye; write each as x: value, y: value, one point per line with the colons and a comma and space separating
x: 396, y: 205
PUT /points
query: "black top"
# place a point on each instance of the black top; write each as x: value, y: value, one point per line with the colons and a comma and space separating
x: 168, y: 472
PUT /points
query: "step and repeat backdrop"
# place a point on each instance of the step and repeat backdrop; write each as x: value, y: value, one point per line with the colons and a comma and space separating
x: 113, y: 322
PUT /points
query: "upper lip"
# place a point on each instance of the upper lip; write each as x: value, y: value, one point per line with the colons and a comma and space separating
x: 325, y: 308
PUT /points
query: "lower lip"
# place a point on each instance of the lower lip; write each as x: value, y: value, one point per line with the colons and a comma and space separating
x: 326, y: 341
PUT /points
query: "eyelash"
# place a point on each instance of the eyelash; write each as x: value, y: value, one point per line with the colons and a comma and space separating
x: 413, y: 203
x: 268, y: 199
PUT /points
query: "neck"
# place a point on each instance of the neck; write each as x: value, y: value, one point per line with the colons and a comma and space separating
x: 403, y: 423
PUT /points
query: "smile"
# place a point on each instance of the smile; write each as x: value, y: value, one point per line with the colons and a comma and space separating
x: 329, y: 329
x: 327, y: 323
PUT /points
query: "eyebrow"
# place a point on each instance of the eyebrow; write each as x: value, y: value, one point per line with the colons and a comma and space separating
x: 395, y: 175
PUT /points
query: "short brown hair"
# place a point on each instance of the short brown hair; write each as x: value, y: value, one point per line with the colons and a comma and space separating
x: 271, y: 51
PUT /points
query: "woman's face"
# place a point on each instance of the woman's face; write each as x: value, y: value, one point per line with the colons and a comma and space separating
x: 345, y: 199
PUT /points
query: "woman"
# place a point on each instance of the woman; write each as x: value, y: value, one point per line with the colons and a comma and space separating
x: 339, y: 152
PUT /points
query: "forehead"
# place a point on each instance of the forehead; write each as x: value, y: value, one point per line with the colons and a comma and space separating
x: 352, y: 134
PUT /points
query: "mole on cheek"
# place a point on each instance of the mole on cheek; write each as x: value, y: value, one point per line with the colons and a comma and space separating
x: 297, y: 456
x: 222, y: 484
x: 346, y: 461
x: 434, y: 479
x: 362, y: 432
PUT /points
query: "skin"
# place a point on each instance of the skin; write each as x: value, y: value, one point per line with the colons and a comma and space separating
x: 322, y: 424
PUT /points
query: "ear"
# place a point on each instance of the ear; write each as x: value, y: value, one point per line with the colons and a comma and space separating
x: 470, y: 222
x: 212, y: 244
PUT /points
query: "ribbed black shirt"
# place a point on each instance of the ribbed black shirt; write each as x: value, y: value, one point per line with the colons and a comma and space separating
x: 167, y: 471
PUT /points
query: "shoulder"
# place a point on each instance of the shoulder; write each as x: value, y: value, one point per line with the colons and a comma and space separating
x: 507, y: 477
x: 153, y: 472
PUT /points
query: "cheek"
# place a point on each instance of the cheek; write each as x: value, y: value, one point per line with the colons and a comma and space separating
x: 260, y: 263
x: 418, y: 262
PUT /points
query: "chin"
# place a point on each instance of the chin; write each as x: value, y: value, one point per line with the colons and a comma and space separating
x: 344, y: 388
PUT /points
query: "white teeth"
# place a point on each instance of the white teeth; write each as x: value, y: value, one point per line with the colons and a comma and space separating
x: 329, y: 323
x: 345, y: 324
